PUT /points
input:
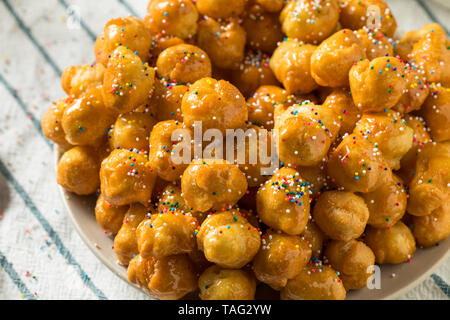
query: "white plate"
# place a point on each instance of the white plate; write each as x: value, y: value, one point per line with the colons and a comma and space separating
x: 407, y: 275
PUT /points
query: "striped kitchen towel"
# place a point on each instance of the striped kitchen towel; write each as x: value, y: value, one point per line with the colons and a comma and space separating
x: 41, y: 255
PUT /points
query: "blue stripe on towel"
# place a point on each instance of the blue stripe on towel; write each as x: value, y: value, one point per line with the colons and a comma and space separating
x: 8, y: 267
x: 27, y: 31
x: 50, y: 231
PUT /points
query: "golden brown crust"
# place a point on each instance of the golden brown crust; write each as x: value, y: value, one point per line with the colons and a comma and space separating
x: 127, y: 177
x: 341, y: 215
x: 172, y: 18
x: 128, y: 32
x: 166, y: 234
x: 277, y: 210
x: 212, y: 184
x: 223, y: 41
x: 388, y: 133
x: 280, y: 258
x: 168, y: 278
x: 217, y: 104
x: 108, y: 216
x: 333, y: 58
x: 354, y: 15
x: 87, y: 119
x: 78, y: 170
x: 128, y: 81
x: 162, y: 145
x: 314, y: 282
x: 429, y: 188
x: 51, y: 122
x: 393, y: 245
x: 228, y: 239
x: 356, y: 167
x: 291, y: 64
x: 75, y: 80
x: 387, y: 204
x: 436, y: 112
x: 217, y: 283
x: 253, y: 73
x: 309, y: 21
x: 263, y: 29
x: 183, y: 63
x: 433, y: 228
x: 353, y: 260
x: 220, y: 9
x: 125, y: 242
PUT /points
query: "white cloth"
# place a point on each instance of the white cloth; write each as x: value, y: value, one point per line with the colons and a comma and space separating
x: 41, y: 255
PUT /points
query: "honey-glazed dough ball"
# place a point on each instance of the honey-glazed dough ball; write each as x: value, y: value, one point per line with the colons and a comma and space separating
x: 75, y: 80
x: 184, y: 63
x: 220, y: 9
x: 108, y: 216
x: 309, y: 21
x: 217, y: 283
x: 228, y: 239
x: 436, y: 113
x: 129, y: 32
x: 314, y: 282
x: 291, y: 64
x: 280, y: 258
x: 125, y: 242
x: 354, y: 15
x: 132, y: 130
x: 264, y: 101
x: 271, y: 5
x: 304, y: 133
x: 127, y: 177
x: 172, y: 18
x: 168, y: 278
x: 314, y: 238
x: 431, y: 53
x: 217, y: 104
x: 375, y: 43
x: 212, y: 184
x: 416, y: 90
x: 161, y: 43
x: 433, y: 228
x: 283, y: 202
x: 430, y: 185
x: 341, y: 215
x: 128, y: 81
x: 171, y: 200
x: 356, y: 167
x: 388, y: 133
x: 420, y: 138
x: 334, y: 57
x: 377, y: 85
x: 166, y: 234
x: 253, y: 73
x: 166, y: 100
x: 316, y: 177
x: 387, y: 204
x: 341, y: 101
x: 87, y: 119
x: 393, y: 245
x: 352, y: 259
x: 162, y: 145
x: 78, y: 170
x: 223, y: 41
x: 263, y: 29
x: 51, y: 122
x: 255, y: 170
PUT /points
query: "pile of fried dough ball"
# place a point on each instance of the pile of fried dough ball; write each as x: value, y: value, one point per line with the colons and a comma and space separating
x: 363, y: 122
